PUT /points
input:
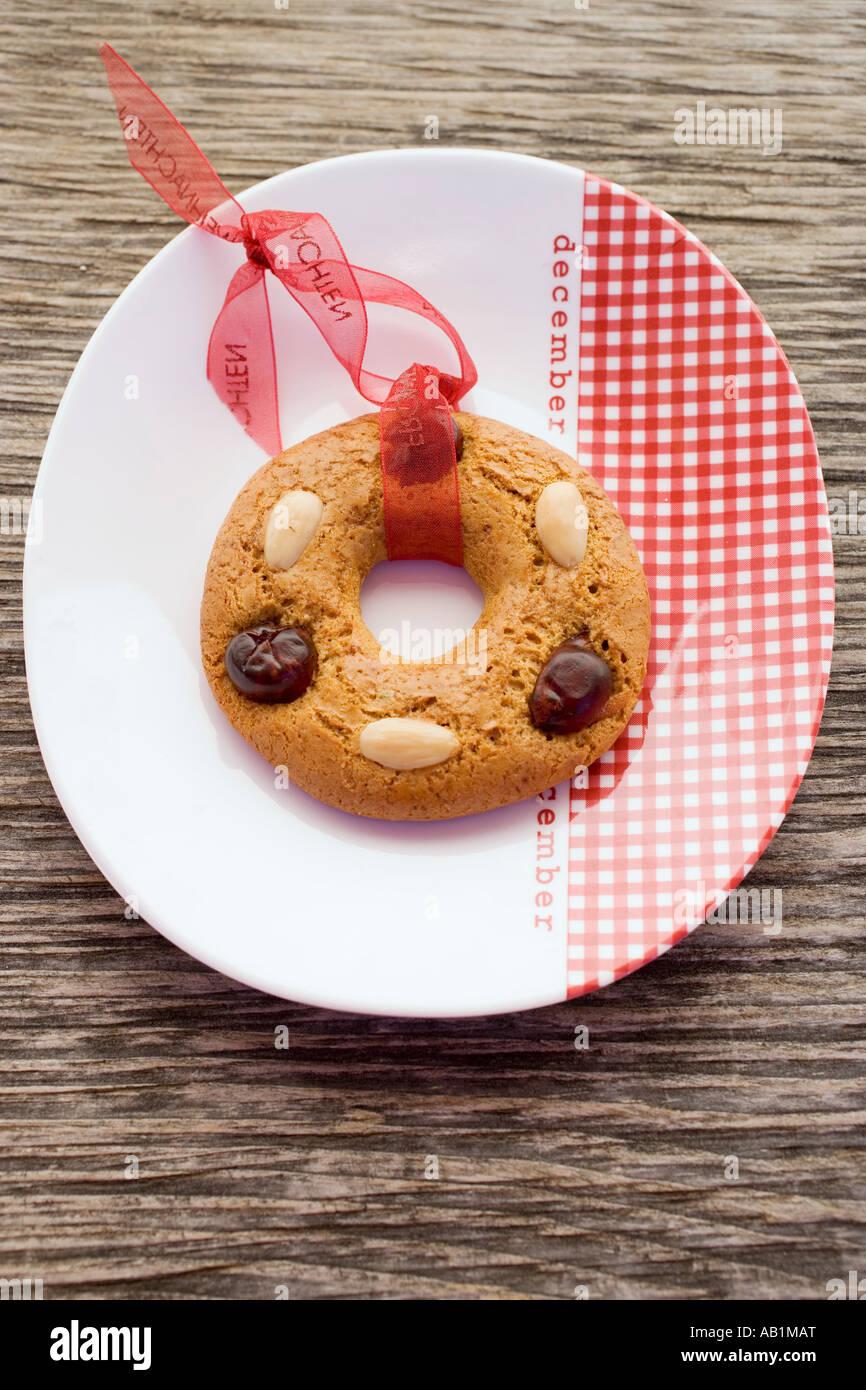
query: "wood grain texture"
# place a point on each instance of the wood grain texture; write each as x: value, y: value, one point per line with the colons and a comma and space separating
x: 557, y: 1167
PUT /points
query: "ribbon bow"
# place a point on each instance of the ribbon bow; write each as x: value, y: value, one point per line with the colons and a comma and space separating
x: 303, y: 252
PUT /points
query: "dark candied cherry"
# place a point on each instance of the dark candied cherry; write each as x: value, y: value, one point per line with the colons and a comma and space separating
x: 572, y: 689
x: 408, y: 464
x: 271, y: 664
x: 458, y: 438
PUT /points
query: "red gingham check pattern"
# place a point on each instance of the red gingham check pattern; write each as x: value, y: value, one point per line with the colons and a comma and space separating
x: 691, y: 419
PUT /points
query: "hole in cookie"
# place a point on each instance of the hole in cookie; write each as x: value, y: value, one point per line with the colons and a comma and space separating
x: 419, y: 609
x: 593, y: 588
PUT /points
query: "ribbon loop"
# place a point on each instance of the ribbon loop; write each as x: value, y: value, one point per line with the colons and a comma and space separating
x: 303, y: 252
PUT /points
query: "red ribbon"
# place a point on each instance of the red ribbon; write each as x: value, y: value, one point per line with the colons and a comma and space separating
x: 419, y: 463
x: 303, y: 252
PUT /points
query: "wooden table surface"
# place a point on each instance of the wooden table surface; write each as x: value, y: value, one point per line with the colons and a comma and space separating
x: 310, y: 1168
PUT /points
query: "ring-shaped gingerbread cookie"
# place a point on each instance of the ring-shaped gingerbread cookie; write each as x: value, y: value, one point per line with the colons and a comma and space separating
x: 542, y: 685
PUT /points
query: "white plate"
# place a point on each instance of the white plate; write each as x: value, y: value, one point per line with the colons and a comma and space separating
x: 183, y: 818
